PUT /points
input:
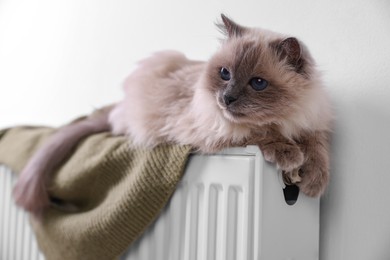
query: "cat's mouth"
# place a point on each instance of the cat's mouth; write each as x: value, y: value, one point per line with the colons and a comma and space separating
x: 228, y: 111
x: 221, y: 104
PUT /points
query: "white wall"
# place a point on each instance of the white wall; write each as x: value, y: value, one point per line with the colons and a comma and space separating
x: 59, y: 59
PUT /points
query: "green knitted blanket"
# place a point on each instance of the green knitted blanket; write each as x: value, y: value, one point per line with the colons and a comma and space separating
x: 119, y: 191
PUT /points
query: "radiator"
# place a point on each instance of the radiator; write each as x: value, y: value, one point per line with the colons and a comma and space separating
x: 231, y: 206
x: 17, y: 241
x: 228, y: 205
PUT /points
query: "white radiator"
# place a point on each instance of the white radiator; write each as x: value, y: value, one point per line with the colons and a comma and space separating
x: 231, y: 206
x: 228, y: 206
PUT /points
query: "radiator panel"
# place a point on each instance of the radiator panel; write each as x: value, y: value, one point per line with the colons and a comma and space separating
x: 231, y: 206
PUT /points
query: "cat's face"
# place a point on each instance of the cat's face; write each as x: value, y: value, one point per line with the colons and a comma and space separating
x: 257, y: 77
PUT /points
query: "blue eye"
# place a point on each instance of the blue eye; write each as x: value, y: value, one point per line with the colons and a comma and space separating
x: 225, y: 74
x: 258, y: 84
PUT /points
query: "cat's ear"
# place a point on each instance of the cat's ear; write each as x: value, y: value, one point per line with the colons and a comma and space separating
x: 230, y: 28
x: 291, y: 50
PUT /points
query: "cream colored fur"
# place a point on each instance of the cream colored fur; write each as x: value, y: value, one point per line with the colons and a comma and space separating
x: 169, y: 98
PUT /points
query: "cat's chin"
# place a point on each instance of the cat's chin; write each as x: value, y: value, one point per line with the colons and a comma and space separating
x: 228, y: 114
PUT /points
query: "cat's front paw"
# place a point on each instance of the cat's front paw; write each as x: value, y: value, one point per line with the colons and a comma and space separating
x: 286, y: 156
x: 291, y: 177
x: 314, y: 178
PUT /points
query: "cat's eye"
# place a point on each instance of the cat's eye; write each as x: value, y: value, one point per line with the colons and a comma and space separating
x: 258, y: 84
x: 225, y: 74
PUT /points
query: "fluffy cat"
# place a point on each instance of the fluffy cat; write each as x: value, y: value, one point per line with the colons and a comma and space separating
x: 259, y: 88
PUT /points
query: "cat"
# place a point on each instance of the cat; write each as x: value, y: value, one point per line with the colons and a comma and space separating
x: 260, y: 88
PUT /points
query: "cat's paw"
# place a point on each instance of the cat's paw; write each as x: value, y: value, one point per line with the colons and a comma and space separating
x: 292, y: 177
x: 286, y: 156
x: 314, y: 178
x: 31, y: 195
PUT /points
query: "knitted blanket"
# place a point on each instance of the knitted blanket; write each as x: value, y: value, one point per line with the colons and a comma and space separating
x: 118, y: 191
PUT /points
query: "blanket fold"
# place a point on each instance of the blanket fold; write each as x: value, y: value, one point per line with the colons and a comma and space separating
x: 118, y: 191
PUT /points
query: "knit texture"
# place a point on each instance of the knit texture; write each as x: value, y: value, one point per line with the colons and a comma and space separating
x: 118, y: 191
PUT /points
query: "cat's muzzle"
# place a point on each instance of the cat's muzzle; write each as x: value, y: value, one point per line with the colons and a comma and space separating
x: 228, y: 99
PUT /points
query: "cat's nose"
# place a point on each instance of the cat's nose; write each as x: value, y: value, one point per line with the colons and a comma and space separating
x: 229, y: 99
